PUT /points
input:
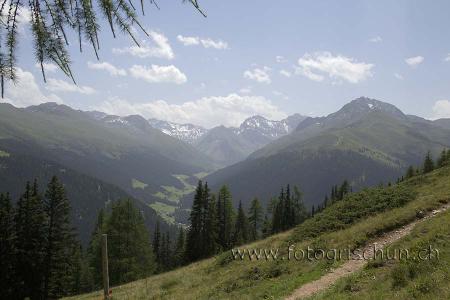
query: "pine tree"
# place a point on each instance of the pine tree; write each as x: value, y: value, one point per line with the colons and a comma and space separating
x: 343, y: 190
x: 267, y: 227
x: 241, y: 235
x: 325, y: 201
x: 157, y: 244
x: 180, y: 248
x: 211, y: 228
x: 129, y: 249
x: 226, y: 217
x: 410, y: 172
x: 313, y: 211
x: 194, y: 242
x: 7, y: 248
x: 442, y: 159
x: 428, y: 164
x: 255, y: 218
x: 59, y: 242
x: 31, y: 222
x: 278, y: 222
x: 300, y: 210
x: 165, y: 252
x: 94, y: 252
x: 287, y: 219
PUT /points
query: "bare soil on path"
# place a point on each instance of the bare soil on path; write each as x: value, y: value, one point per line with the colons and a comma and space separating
x: 355, y: 264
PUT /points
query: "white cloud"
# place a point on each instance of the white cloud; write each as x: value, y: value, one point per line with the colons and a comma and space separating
x: 285, y: 73
x: 218, y: 44
x: 48, y: 67
x: 228, y: 110
x: 339, y: 67
x: 58, y: 85
x: 158, y: 74
x: 414, y: 61
x: 447, y: 58
x: 161, y: 49
x: 441, y: 109
x: 376, y: 39
x: 26, y: 91
x: 280, y: 59
x: 259, y: 75
x: 205, y: 42
x: 106, y: 66
x: 398, y: 76
x: 188, y: 40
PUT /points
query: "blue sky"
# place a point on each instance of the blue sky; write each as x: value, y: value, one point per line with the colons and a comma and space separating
x: 272, y: 58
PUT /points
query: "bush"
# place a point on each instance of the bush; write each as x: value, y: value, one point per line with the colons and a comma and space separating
x: 399, y: 275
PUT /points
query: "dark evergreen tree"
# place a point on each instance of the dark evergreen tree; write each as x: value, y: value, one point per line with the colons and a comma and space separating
x: 278, y: 223
x: 211, y: 229
x: 428, y: 164
x: 410, y: 172
x: 241, y: 230
x: 442, y: 159
x: 194, y: 242
x: 59, y: 244
x: 31, y: 223
x: 344, y: 189
x: 129, y: 249
x: 94, y: 252
x: 255, y: 214
x: 267, y: 227
x: 300, y: 210
x: 313, y: 211
x: 226, y: 217
x: 157, y: 245
x: 325, y: 201
x: 165, y: 253
x: 180, y: 248
x: 7, y: 249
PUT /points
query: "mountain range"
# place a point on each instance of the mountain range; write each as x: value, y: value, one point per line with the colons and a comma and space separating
x: 366, y: 142
x: 102, y: 157
x: 228, y: 145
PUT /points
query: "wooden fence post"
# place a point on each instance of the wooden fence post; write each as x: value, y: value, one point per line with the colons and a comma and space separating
x: 105, y: 266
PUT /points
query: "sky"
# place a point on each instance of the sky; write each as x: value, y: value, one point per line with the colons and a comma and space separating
x: 255, y: 57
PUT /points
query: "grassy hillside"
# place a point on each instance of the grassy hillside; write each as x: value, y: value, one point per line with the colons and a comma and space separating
x: 350, y: 223
x: 403, y: 280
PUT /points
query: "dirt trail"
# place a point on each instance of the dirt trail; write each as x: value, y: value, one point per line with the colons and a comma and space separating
x: 355, y: 265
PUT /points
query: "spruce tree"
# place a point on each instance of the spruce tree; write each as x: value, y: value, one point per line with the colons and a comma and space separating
x: 94, y: 252
x: 266, y: 227
x: 129, y: 249
x: 226, y: 217
x: 410, y: 172
x: 194, y: 242
x: 442, y: 159
x: 180, y: 248
x: 344, y: 189
x: 60, y: 240
x: 300, y: 210
x: 210, y: 234
x: 255, y: 218
x: 157, y: 244
x: 7, y: 248
x: 165, y: 252
x: 428, y: 164
x: 241, y: 232
x: 31, y: 222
